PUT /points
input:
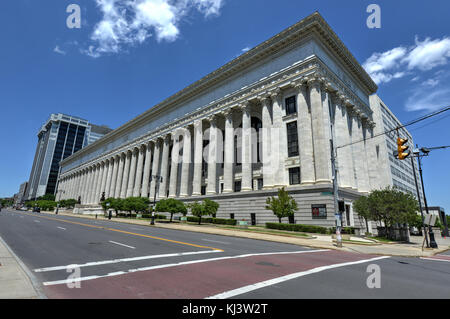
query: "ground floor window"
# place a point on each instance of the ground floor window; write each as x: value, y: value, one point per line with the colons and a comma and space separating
x: 319, y: 211
x: 237, y: 186
x: 294, y: 176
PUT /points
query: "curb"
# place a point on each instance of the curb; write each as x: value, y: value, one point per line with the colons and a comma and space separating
x: 34, y: 282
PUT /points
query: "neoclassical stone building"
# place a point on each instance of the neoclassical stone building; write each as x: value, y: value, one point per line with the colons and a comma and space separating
x: 263, y: 121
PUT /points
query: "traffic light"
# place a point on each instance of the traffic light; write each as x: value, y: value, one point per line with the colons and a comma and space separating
x: 402, y: 148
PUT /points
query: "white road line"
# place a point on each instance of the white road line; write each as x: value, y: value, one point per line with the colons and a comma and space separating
x: 36, y: 221
x: 115, y: 261
x: 215, y: 241
x: 434, y: 259
x: 243, y: 290
x: 62, y: 228
x: 116, y: 243
x: 73, y: 280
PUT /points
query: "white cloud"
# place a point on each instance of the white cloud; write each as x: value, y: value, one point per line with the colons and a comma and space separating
x: 58, y: 50
x: 428, y: 54
x: 425, y: 99
x: 245, y: 50
x: 131, y: 22
x: 431, y: 82
x: 401, y: 61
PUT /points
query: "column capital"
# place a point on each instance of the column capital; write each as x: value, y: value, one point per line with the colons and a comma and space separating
x: 276, y: 94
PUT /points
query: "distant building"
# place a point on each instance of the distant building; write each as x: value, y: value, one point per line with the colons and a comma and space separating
x: 61, y: 136
x: 20, y: 199
x: 392, y: 171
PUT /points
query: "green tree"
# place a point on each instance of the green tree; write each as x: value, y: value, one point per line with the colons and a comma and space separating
x: 49, y: 197
x: 172, y: 206
x: 361, y: 206
x: 282, y: 206
x: 198, y: 210
x: 390, y: 206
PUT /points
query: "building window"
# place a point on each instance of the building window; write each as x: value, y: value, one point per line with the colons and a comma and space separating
x: 203, y: 190
x: 260, y: 183
x: 231, y: 216
x: 294, y: 176
x: 291, y: 106
x: 237, y: 186
x: 319, y: 211
x: 292, y: 135
x: 253, y: 219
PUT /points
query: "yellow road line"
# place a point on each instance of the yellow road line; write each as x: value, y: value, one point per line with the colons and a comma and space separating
x: 129, y: 233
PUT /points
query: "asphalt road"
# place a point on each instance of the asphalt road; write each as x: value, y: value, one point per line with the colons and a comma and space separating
x: 81, y: 258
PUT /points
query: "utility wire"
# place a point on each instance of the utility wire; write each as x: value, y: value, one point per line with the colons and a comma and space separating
x: 420, y: 119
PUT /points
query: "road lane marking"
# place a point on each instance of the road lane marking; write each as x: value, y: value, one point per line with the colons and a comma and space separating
x: 190, y: 262
x: 435, y: 259
x: 62, y: 228
x: 271, y: 282
x: 216, y: 241
x: 116, y: 243
x: 130, y: 233
x: 36, y: 221
x: 115, y: 261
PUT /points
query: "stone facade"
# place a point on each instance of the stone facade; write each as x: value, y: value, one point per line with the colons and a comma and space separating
x: 263, y: 121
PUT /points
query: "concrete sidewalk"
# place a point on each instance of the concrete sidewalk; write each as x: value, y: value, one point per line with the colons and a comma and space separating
x: 323, y: 242
x: 16, y: 282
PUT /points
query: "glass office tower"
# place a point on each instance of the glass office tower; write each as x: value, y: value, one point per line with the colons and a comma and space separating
x: 61, y: 136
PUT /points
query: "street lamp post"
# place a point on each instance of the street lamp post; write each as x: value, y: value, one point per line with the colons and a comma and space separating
x: 158, y: 179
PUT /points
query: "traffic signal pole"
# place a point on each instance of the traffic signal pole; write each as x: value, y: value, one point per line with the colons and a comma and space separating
x: 336, y: 196
x: 420, y: 202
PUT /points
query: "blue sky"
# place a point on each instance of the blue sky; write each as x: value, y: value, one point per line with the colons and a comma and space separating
x: 120, y: 63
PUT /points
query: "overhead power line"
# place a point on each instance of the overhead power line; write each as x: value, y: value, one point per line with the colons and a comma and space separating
x: 420, y: 119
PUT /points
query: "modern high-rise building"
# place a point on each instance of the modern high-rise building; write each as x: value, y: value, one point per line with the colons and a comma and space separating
x: 21, y: 194
x: 61, y: 136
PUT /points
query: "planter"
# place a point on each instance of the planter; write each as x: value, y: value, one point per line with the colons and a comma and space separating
x: 183, y: 219
x: 243, y: 224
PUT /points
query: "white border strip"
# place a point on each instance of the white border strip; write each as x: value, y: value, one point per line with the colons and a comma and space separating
x: 73, y: 280
x: 245, y: 289
x: 435, y: 259
x: 116, y: 243
x: 115, y: 261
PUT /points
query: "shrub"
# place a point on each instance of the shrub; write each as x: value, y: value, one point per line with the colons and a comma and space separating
x: 298, y: 228
x: 344, y: 230
x: 219, y: 221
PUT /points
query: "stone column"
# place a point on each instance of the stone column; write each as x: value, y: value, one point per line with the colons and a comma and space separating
x: 247, y: 170
x: 344, y: 159
x: 279, y: 149
x: 212, y: 157
x: 146, y: 177
x: 139, y: 170
x: 320, y: 142
x: 126, y: 172
x: 359, y: 154
x: 89, y: 185
x: 267, y: 168
x: 164, y: 167
x: 106, y: 187
x: 198, y: 158
x: 174, y: 165
x: 104, y: 178
x: 132, y: 172
x: 99, y: 183
x: 82, y: 185
x: 113, y: 172
x: 155, y: 169
x: 228, y: 173
x: 94, y: 184
x: 305, y: 137
x: 185, y: 167
x: 121, y: 167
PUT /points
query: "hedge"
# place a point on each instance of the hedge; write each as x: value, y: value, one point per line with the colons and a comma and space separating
x: 133, y: 215
x: 344, y: 230
x: 298, y: 228
x: 210, y: 220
